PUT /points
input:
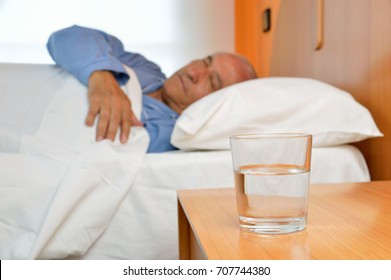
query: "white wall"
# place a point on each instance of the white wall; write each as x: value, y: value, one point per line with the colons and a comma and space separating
x: 170, y: 32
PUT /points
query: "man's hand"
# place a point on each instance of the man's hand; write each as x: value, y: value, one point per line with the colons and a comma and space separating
x: 107, y: 99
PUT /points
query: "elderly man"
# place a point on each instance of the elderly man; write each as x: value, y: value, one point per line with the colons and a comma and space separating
x: 96, y: 59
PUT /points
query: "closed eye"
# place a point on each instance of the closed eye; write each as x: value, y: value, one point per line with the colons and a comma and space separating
x: 208, y: 61
x: 214, y: 81
x: 214, y: 78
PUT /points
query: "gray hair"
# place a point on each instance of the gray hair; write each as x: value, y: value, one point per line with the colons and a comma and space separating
x: 249, y: 68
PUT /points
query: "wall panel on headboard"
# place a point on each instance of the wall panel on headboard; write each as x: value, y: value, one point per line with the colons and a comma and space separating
x: 251, y: 38
x: 355, y: 55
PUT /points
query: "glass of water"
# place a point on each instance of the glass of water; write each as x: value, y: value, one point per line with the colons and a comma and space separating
x: 272, y: 176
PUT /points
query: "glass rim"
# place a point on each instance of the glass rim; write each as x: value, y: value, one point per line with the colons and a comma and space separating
x: 270, y: 135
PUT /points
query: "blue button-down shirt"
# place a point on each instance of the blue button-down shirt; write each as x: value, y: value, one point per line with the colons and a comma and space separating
x: 82, y: 51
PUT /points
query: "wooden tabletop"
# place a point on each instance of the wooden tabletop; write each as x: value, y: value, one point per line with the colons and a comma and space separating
x: 345, y: 221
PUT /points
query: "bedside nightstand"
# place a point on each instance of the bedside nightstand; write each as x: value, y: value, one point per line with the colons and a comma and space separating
x: 345, y: 221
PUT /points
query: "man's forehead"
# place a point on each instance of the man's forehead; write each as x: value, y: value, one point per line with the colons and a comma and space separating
x: 229, y: 68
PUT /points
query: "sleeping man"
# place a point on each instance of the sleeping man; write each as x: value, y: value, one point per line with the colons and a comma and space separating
x: 96, y: 59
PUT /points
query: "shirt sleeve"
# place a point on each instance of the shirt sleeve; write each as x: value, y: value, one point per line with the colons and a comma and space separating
x: 82, y: 51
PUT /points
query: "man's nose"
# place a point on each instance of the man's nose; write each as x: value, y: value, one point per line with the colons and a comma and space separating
x: 197, y: 72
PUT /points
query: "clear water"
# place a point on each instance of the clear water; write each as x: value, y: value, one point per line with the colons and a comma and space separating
x: 272, y: 198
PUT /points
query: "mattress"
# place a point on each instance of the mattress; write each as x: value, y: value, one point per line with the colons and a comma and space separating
x: 144, y: 225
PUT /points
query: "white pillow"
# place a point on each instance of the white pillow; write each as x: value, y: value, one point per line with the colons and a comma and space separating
x: 274, y: 104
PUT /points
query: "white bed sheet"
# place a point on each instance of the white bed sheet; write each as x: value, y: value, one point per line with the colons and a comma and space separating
x: 145, y: 226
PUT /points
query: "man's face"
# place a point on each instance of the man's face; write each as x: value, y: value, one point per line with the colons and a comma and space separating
x: 201, y: 77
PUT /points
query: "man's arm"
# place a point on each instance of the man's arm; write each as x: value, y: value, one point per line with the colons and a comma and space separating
x: 82, y: 51
x: 92, y: 57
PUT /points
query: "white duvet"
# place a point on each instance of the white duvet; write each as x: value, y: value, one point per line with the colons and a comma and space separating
x: 59, y: 189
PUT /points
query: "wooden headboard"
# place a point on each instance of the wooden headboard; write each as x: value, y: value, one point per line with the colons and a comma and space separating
x: 346, y: 43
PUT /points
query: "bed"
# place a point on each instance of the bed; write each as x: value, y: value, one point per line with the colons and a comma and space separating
x: 54, y: 176
x: 61, y: 198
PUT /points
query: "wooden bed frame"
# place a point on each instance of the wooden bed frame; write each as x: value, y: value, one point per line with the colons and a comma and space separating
x: 346, y: 43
